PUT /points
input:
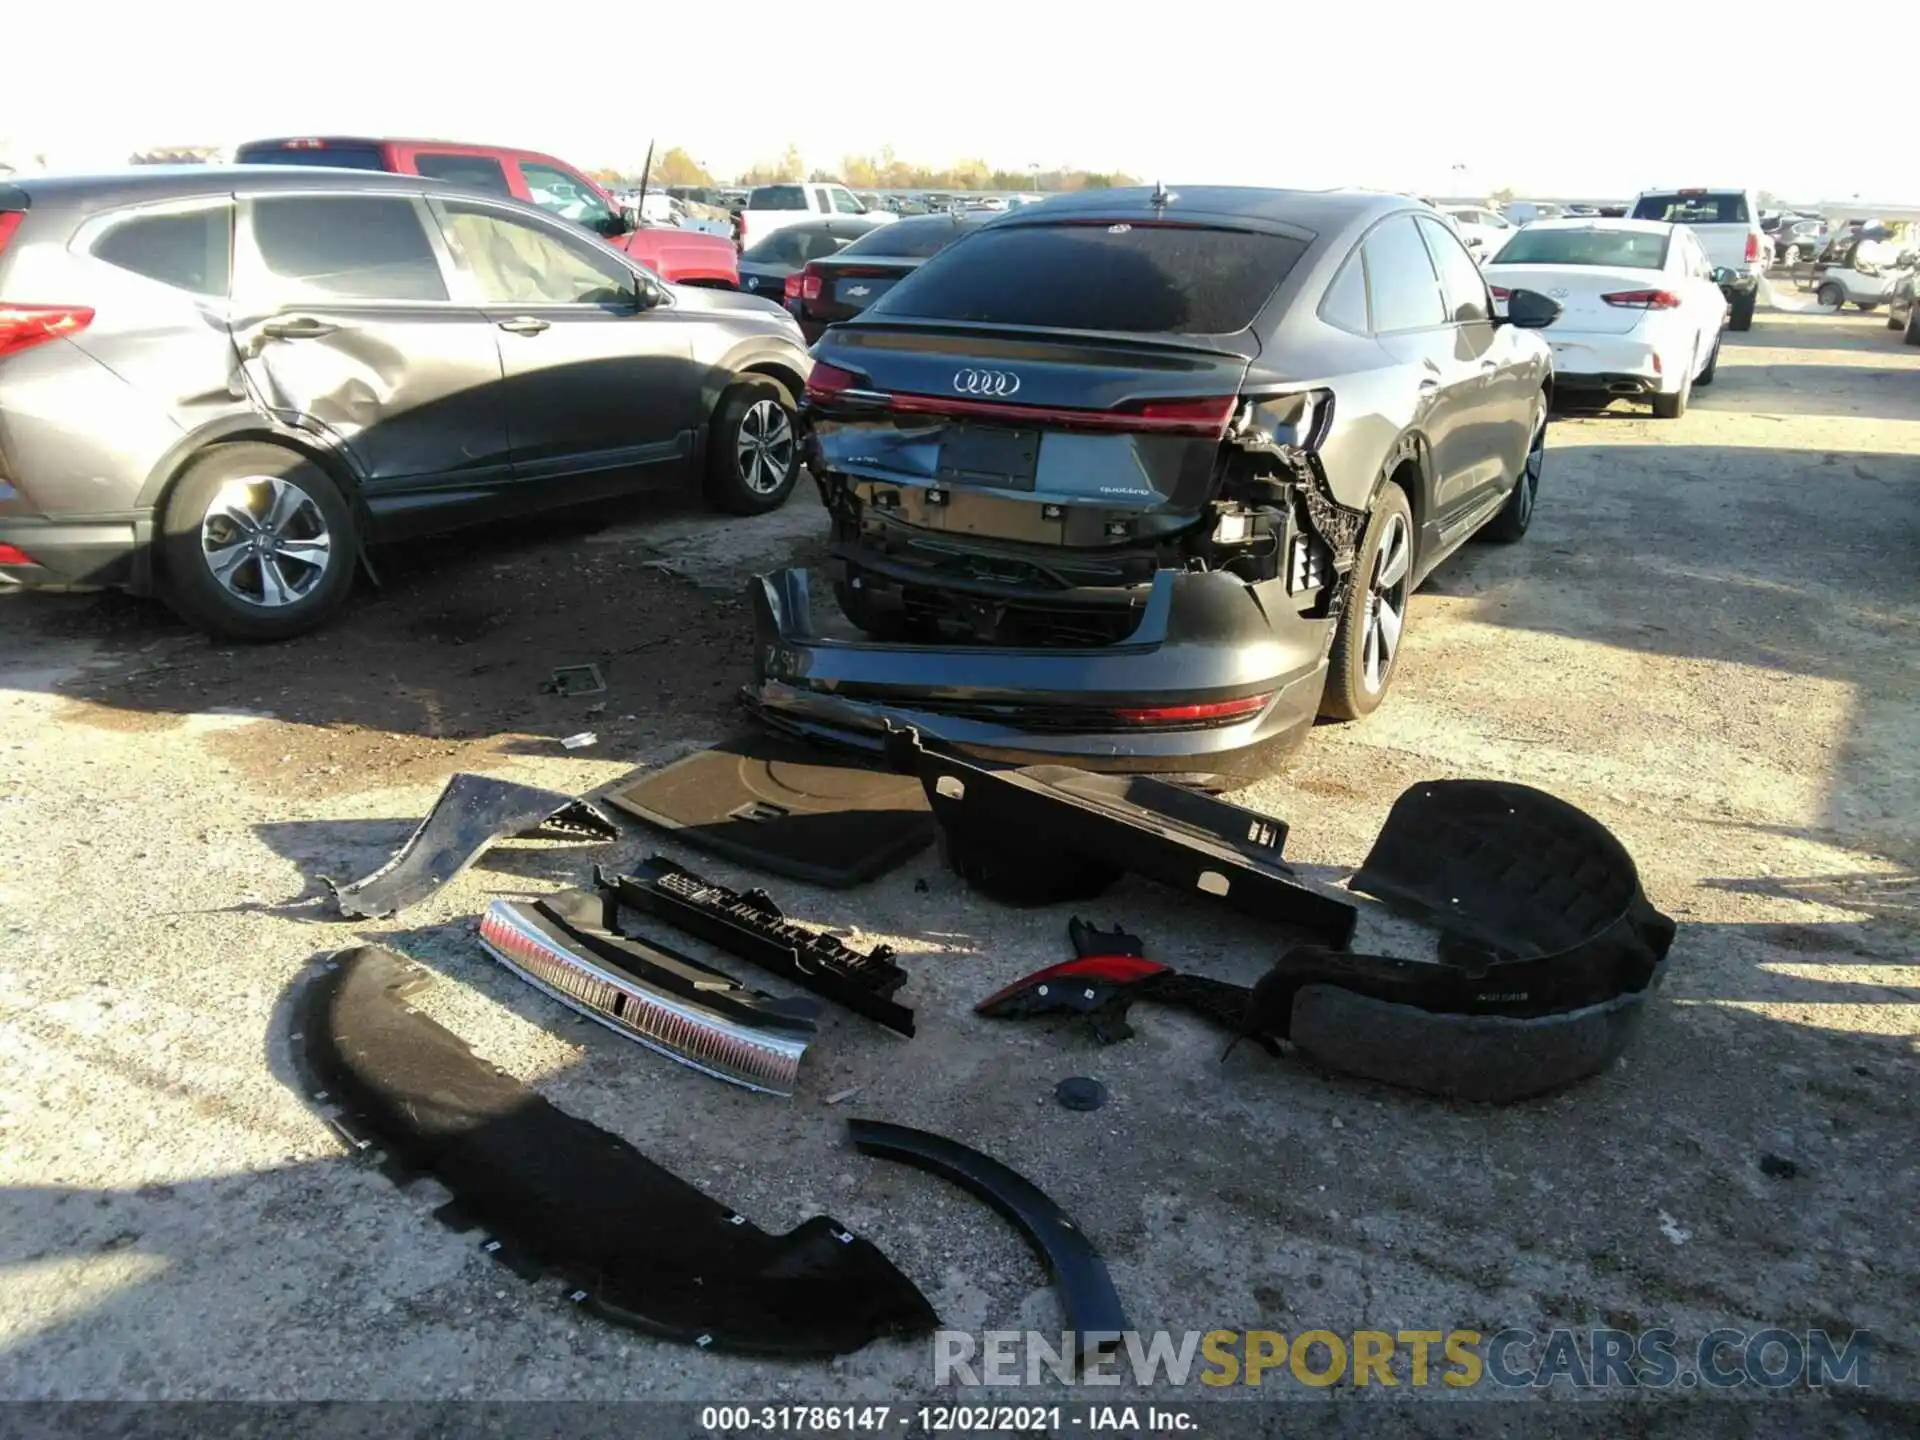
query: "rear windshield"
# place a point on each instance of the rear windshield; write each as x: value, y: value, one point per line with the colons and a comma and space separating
x: 1144, y: 279
x: 340, y: 157
x: 1631, y: 249
x: 908, y: 239
x: 1717, y: 207
x: 778, y: 197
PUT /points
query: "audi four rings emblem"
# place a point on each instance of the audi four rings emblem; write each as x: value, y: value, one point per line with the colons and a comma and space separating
x: 986, y: 382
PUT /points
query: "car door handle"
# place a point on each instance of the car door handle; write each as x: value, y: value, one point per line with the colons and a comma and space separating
x: 524, y: 325
x: 298, y: 327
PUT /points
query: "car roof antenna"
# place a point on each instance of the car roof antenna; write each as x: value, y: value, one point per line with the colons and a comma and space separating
x: 1161, y: 197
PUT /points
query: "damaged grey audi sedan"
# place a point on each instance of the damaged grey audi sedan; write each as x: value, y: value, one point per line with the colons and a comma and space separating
x: 1144, y: 478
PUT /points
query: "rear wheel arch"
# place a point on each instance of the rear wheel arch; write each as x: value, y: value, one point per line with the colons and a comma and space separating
x: 785, y: 375
x: 167, y: 476
x: 1409, y: 464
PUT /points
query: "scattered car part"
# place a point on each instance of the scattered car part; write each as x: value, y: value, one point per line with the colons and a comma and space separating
x: 1549, y: 949
x: 753, y: 927
x: 579, y: 741
x: 1080, y: 1092
x: 559, y: 1195
x: 567, y: 681
x: 1048, y: 833
x: 780, y: 806
x: 1093, y: 1311
x: 702, y: 1017
x: 1104, y: 987
x: 472, y: 813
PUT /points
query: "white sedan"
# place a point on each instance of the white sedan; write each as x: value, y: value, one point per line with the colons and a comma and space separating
x: 1641, y: 310
x: 1484, y: 230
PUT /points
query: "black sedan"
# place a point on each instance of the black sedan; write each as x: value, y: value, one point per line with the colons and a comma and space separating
x: 841, y: 286
x: 766, y: 264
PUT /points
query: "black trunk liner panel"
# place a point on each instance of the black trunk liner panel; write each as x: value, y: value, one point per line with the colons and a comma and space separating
x: 560, y: 1195
x: 785, y: 808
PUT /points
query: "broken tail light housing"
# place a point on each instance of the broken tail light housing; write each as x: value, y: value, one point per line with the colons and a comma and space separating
x: 24, y: 326
x: 756, y: 1059
x: 14, y: 555
x: 825, y: 382
x: 791, y: 289
x: 1202, y: 416
x: 810, y: 283
x: 1643, y: 299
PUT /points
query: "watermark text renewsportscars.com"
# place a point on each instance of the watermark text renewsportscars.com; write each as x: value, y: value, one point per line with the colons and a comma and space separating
x: 1456, y: 1359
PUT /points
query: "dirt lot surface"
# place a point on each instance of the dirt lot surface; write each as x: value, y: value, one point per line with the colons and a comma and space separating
x: 1708, y: 641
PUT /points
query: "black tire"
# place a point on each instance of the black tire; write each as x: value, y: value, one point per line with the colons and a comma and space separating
x: 1893, y: 321
x: 1516, y: 515
x: 747, y: 449
x: 1741, y: 317
x: 1355, y: 686
x: 1705, y: 377
x: 1866, y: 306
x: 1912, y: 334
x: 1672, y: 407
x: 280, y: 586
x: 1830, y: 295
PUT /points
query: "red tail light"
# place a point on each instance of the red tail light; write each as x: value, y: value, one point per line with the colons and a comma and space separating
x: 14, y: 555
x: 24, y: 326
x: 810, y: 284
x: 1500, y: 292
x: 1194, y: 714
x: 1643, y: 299
x: 9, y: 222
x: 1753, y: 246
x: 791, y: 290
x: 827, y: 381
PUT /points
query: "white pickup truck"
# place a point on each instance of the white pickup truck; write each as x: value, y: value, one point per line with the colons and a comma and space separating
x: 1727, y: 225
x: 774, y: 207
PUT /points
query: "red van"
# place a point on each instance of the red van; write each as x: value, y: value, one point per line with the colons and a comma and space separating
x: 686, y: 257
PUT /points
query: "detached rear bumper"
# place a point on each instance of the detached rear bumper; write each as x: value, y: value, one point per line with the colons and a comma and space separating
x: 1203, y: 639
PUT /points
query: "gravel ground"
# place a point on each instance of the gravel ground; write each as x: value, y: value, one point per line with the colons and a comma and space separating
x: 1707, y: 641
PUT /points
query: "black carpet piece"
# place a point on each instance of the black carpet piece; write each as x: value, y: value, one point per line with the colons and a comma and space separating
x: 561, y: 1196
x: 785, y: 808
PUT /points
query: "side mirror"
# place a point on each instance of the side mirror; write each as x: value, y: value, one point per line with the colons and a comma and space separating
x: 618, y: 222
x: 1722, y: 275
x: 1530, y: 310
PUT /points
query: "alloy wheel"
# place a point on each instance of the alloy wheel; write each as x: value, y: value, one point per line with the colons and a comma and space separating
x: 265, y: 541
x: 765, y: 447
x: 1386, y: 603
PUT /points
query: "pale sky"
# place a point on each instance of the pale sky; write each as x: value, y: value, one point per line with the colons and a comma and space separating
x: 1548, y: 98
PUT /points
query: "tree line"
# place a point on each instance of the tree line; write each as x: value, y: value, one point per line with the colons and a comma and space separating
x: 884, y: 171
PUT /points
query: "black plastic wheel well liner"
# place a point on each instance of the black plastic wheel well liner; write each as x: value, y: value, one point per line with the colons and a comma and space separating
x: 559, y: 1195
x: 1092, y: 1306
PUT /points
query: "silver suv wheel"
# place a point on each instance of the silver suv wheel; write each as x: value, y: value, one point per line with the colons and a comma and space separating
x: 265, y: 541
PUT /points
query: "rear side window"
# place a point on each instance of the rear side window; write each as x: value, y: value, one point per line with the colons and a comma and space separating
x: 1346, y: 302
x: 1698, y: 207
x: 346, y: 247
x: 190, y: 251
x: 782, y: 247
x: 564, y: 194
x: 845, y: 204
x: 778, y: 197
x: 1629, y: 249
x: 1406, y: 292
x: 1460, y: 278
x: 1143, y: 279
x: 476, y: 172
x: 340, y: 157
x: 908, y: 239
x: 817, y: 244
